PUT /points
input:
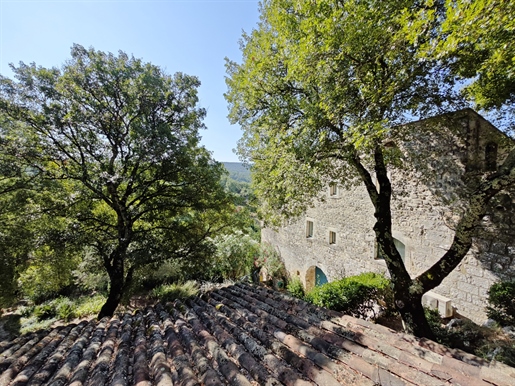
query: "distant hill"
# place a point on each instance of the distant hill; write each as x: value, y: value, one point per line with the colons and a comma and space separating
x: 237, y: 171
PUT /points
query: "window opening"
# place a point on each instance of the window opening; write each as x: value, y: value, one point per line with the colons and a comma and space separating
x: 399, y: 245
x: 309, y: 229
x: 333, y: 189
x: 491, y: 156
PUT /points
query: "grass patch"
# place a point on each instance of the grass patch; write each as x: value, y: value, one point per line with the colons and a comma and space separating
x: 176, y: 291
x: 90, y: 305
x: 32, y: 323
x: 42, y: 316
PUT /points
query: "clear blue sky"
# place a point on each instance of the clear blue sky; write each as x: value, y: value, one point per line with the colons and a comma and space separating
x: 188, y: 36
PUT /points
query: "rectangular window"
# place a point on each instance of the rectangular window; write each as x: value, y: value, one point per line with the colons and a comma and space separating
x: 332, y: 237
x: 333, y: 189
x: 309, y: 229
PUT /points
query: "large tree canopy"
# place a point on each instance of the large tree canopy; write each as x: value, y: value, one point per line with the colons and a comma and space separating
x: 322, y: 80
x: 474, y: 39
x: 123, y: 138
x: 320, y: 93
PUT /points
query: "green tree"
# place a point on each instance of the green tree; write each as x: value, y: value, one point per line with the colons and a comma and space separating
x: 122, y: 138
x: 235, y: 255
x: 321, y: 92
x: 14, y: 238
x: 475, y: 39
x: 14, y: 234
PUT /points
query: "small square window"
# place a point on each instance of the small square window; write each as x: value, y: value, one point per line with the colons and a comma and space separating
x: 309, y: 229
x: 333, y: 189
x: 332, y: 237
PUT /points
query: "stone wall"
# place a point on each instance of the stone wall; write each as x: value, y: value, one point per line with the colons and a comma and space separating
x: 425, y: 208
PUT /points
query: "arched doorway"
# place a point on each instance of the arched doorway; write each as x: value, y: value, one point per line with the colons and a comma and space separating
x: 315, y: 277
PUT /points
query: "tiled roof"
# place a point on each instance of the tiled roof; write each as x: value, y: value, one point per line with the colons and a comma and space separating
x: 238, y: 335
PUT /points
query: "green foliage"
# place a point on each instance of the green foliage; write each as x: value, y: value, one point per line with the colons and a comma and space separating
x: 16, y: 235
x: 34, y: 324
x: 296, y: 288
x: 473, y: 38
x: 89, y: 305
x: 63, y: 308
x: 46, y: 276
x: 435, y: 322
x: 149, y: 277
x: 499, y: 350
x: 45, y: 311
x: 354, y: 295
x: 501, y: 303
x: 176, y: 291
x: 119, y: 140
x: 235, y: 256
x: 468, y: 336
x: 270, y: 259
x: 90, y: 275
x: 241, y: 190
x: 320, y: 82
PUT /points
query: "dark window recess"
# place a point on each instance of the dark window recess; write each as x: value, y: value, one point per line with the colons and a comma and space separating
x: 491, y: 156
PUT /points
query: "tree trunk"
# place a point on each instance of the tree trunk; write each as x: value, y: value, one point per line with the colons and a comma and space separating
x: 407, y: 293
x: 115, y: 270
x: 115, y: 263
x: 410, y: 307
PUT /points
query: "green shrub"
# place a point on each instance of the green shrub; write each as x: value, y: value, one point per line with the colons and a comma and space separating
x: 171, y: 292
x: 89, y: 305
x: 270, y: 259
x: 501, y: 300
x: 470, y: 337
x: 25, y: 311
x: 355, y: 295
x: 44, y: 311
x: 235, y: 256
x: 501, y: 351
x: 295, y: 288
x: 65, y: 308
x: 61, y: 308
x: 434, y: 320
x: 151, y: 276
x: 48, y: 275
x: 466, y: 336
x: 33, y: 324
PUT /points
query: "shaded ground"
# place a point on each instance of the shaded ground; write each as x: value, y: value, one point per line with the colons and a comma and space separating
x: 9, y: 326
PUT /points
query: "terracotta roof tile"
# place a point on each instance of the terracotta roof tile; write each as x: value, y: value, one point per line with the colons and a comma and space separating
x: 239, y: 335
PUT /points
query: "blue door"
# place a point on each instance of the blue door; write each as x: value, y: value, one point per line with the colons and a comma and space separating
x: 320, y: 277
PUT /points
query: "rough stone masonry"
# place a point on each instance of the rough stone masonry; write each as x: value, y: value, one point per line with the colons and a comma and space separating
x: 444, y: 157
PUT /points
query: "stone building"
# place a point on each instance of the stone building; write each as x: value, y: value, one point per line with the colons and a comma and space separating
x: 444, y: 157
